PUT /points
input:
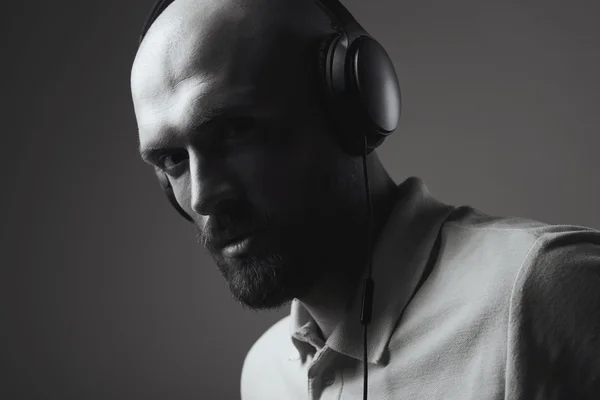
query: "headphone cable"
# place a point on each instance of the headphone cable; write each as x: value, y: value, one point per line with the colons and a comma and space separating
x: 368, y: 288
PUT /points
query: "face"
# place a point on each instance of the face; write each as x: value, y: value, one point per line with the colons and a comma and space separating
x: 236, y: 122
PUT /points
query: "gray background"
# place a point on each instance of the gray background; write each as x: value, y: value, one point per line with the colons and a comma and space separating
x: 105, y: 293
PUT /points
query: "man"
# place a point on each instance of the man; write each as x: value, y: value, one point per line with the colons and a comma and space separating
x: 466, y: 306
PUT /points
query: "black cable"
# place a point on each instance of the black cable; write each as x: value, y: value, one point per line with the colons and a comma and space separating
x: 365, y: 374
x: 367, y: 300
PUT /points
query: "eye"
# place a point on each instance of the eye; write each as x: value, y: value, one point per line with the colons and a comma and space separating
x: 169, y: 161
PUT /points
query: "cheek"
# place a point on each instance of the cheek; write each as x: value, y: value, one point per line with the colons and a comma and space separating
x: 283, y: 181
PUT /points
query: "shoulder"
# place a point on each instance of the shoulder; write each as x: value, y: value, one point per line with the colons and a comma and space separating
x: 554, y: 298
x: 263, y: 357
x: 561, y: 259
x: 537, y: 250
x: 556, y: 307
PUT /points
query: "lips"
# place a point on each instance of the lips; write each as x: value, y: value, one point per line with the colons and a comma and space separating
x: 236, y: 239
x: 221, y: 243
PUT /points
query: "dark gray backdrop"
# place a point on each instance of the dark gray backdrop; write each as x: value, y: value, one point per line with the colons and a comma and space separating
x: 106, y: 295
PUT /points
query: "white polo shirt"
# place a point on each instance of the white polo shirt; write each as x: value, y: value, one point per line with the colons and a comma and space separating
x: 509, y: 308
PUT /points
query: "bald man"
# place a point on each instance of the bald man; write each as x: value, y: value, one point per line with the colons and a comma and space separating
x: 229, y: 105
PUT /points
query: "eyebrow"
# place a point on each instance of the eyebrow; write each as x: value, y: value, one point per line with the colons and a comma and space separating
x: 210, y: 115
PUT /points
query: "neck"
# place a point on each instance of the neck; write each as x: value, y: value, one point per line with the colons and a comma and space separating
x: 327, y: 301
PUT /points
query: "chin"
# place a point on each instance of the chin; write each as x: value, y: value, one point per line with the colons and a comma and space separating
x: 265, y: 283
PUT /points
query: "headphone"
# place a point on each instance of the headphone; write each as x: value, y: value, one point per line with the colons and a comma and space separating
x: 363, y: 97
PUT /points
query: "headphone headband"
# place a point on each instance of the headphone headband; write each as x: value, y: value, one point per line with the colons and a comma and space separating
x: 340, y: 14
x: 334, y: 8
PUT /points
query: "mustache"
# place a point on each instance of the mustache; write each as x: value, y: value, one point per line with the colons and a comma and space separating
x: 229, y: 221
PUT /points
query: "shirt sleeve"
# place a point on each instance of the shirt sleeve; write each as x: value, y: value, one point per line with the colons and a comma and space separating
x: 558, y: 314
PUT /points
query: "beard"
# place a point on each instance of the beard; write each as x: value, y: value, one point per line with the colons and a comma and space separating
x: 324, y: 239
x: 269, y: 279
x: 297, y: 256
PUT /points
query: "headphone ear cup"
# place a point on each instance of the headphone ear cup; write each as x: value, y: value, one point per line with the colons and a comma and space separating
x: 341, y: 116
x: 374, y: 84
x: 325, y: 73
x: 325, y: 51
x: 368, y: 108
x: 165, y: 184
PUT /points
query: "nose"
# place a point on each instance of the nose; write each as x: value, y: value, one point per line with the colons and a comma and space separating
x: 211, y: 184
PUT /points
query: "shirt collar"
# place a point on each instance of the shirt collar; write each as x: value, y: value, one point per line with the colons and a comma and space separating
x: 399, y: 259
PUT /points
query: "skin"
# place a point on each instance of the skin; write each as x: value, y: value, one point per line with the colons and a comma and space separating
x: 272, y: 160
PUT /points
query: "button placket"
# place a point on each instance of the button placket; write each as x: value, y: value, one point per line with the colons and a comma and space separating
x: 316, y: 378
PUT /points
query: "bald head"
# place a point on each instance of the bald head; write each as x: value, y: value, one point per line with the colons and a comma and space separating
x: 201, y: 39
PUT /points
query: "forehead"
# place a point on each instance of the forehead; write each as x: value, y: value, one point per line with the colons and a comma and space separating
x: 181, y: 48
